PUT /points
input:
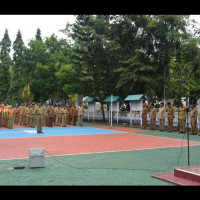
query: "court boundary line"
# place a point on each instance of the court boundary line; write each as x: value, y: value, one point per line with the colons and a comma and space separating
x: 101, y: 152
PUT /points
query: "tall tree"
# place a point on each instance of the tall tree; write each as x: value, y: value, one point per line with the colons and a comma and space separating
x: 145, y: 44
x: 91, y: 59
x: 18, y: 68
x: 5, y: 64
x: 38, y: 35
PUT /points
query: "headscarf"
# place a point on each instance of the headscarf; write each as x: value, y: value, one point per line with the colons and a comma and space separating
x: 2, y: 107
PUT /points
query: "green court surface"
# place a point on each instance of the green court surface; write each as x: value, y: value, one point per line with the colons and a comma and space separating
x: 126, y: 168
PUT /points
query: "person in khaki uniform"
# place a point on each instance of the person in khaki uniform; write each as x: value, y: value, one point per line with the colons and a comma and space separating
x: 39, y: 113
x: 74, y: 113
x: 1, y: 114
x: 153, y: 113
x: 170, y: 117
x: 193, y: 120
x: 69, y: 117
x: 161, y: 117
x: 24, y: 115
x: 28, y: 115
x: 10, y: 117
x: 50, y: 115
x: 58, y: 116
x: 32, y: 116
x: 182, y: 117
x: 0, y: 117
x: 64, y: 116
x: 36, y: 106
x: 80, y: 114
x: 6, y: 117
x: 55, y: 107
x: 45, y: 115
x: 144, y: 116
x: 16, y: 115
x: 20, y: 114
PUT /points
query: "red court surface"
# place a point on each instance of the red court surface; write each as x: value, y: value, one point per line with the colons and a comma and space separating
x: 80, y: 144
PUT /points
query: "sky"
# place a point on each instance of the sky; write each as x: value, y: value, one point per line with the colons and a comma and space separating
x: 28, y: 25
x: 48, y: 25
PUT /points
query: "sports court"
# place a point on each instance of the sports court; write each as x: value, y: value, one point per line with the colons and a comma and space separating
x: 93, y: 154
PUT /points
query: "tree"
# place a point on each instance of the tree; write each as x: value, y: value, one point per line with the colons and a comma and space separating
x: 184, y: 72
x: 38, y: 35
x: 26, y: 93
x: 144, y: 46
x: 5, y: 64
x: 91, y: 56
x: 18, y: 69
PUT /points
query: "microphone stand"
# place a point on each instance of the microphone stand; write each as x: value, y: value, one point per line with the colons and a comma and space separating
x: 187, y: 110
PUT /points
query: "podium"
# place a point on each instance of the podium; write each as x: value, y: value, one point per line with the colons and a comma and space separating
x: 187, y: 176
x: 36, y: 157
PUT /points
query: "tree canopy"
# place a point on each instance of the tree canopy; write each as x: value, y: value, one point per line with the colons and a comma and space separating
x: 109, y: 54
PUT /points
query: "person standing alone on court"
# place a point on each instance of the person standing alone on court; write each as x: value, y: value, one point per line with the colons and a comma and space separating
x: 161, y: 117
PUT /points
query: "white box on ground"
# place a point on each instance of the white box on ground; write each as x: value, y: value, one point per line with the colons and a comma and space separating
x: 36, y: 157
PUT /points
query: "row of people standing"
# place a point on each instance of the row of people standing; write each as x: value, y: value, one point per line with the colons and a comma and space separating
x: 161, y: 114
x: 50, y: 115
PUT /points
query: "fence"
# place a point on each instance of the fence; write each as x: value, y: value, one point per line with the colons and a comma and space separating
x: 132, y: 118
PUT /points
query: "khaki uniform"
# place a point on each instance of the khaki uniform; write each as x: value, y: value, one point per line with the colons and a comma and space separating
x: 24, y: 115
x: 153, y: 118
x: 54, y: 116
x: 80, y: 113
x: 144, y: 117
x: 182, y: 118
x: 170, y: 118
x: 64, y: 116
x: 58, y: 116
x: 74, y: 113
x: 10, y: 118
x: 193, y: 120
x: 45, y: 116
x: 16, y: 115
x: 39, y: 113
x: 50, y: 116
x: 20, y: 115
x: 161, y: 117
x: 27, y: 119
x: 0, y: 117
x: 69, y: 117
x: 35, y: 116
x: 32, y: 117
x: 5, y: 115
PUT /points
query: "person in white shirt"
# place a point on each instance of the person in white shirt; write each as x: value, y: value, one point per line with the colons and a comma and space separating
x: 161, y: 117
x: 80, y: 114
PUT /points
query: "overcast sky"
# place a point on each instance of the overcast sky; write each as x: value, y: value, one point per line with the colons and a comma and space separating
x: 48, y: 25
x: 28, y: 25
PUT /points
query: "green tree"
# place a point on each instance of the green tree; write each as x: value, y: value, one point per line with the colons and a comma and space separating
x: 144, y: 45
x: 184, y: 72
x: 5, y: 64
x: 91, y: 56
x: 26, y: 94
x: 18, y: 69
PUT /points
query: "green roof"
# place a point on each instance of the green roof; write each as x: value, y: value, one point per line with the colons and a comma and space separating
x: 135, y: 97
x: 90, y: 99
x: 114, y: 99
